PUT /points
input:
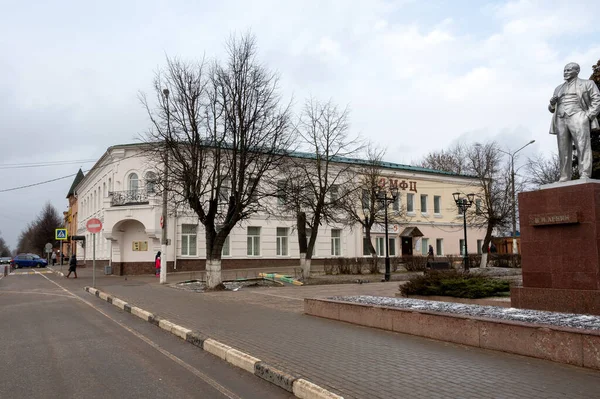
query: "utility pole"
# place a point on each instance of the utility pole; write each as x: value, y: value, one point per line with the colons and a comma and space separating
x: 515, y: 249
x: 163, y: 248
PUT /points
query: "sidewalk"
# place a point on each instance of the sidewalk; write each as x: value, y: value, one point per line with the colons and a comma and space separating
x: 353, y: 361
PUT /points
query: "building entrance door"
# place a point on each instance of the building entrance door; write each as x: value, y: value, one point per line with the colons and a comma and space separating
x: 407, y: 247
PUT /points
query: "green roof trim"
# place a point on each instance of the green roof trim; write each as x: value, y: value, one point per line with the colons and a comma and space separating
x: 76, y: 181
x: 355, y: 161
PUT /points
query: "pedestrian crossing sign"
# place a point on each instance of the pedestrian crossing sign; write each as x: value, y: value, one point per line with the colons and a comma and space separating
x: 60, y: 234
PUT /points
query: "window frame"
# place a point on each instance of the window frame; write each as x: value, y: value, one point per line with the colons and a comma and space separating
x: 423, y: 200
x: 188, y: 240
x: 282, y: 242
x: 336, y: 242
x: 254, y: 241
x: 410, y: 203
x: 130, y: 180
x: 438, y: 199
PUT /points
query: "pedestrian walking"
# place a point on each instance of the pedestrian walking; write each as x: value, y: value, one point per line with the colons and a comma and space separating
x: 53, y: 257
x: 157, y: 264
x: 72, y: 266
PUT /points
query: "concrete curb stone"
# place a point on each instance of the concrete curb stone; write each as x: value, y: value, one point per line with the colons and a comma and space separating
x: 300, y: 387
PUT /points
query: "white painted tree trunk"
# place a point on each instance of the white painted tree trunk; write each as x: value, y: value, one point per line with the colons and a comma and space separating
x: 483, y: 260
x: 305, y: 263
x: 213, y: 273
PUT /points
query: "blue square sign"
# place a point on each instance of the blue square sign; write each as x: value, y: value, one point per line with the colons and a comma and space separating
x: 60, y: 234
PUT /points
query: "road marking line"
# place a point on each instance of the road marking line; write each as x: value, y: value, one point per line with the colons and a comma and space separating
x: 32, y: 292
x: 147, y: 340
x: 278, y: 296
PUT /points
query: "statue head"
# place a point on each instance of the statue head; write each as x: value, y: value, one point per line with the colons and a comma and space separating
x: 571, y: 71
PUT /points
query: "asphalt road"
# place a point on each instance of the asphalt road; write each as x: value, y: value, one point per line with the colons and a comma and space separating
x: 55, y: 343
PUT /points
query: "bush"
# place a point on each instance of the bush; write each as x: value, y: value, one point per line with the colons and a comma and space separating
x: 414, y: 263
x: 455, y: 284
x: 505, y: 260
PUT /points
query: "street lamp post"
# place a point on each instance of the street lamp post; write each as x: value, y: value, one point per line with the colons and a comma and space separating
x: 515, y: 250
x: 164, y: 240
x: 463, y: 204
x: 382, y: 197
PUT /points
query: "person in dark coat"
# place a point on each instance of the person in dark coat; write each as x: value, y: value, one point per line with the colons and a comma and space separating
x: 72, y: 266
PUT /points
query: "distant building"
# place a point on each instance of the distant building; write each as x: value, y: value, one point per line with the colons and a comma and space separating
x: 120, y: 191
x: 70, y: 217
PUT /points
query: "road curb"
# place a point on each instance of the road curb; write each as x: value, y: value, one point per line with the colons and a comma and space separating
x: 300, y: 387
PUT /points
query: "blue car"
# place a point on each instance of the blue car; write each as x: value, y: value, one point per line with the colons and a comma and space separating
x: 28, y: 260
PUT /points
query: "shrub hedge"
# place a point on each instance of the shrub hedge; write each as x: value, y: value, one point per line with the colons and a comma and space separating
x: 455, y: 284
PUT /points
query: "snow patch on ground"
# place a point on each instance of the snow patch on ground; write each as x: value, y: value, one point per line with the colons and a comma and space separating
x: 581, y: 321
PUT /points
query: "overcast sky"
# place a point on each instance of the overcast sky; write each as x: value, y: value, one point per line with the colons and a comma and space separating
x: 417, y: 75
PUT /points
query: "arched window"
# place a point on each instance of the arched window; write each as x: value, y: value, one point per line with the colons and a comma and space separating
x: 150, y: 182
x: 133, y: 182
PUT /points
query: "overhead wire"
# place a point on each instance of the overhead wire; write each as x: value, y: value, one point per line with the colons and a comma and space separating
x: 67, y: 176
x: 44, y: 164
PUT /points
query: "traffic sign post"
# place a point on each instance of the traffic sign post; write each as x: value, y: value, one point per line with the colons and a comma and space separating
x: 48, y: 248
x: 94, y: 226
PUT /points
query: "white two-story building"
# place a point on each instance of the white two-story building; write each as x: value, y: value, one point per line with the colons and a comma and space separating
x: 120, y: 191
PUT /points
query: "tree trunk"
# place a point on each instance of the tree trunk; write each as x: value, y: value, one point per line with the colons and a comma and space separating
x: 306, y: 268
x: 485, y: 245
x: 213, y: 272
x: 484, y: 256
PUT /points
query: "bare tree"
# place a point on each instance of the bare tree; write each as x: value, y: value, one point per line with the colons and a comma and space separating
x: 40, y: 232
x: 4, y: 249
x: 542, y: 170
x: 453, y: 160
x: 317, y: 183
x: 492, y: 189
x: 363, y: 207
x: 225, y: 134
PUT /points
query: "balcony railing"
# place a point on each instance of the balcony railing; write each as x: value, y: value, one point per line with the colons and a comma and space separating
x: 129, y: 197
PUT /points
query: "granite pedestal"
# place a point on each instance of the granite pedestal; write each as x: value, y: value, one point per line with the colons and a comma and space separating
x: 560, y: 248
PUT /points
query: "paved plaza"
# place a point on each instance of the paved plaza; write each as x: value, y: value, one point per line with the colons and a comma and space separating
x: 354, y: 361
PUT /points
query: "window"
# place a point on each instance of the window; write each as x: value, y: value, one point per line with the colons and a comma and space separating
x: 439, y: 246
x: 396, y: 204
x: 253, y: 243
x: 366, y: 250
x: 282, y: 241
x: 281, y: 194
x: 410, y: 202
x: 392, y: 243
x: 423, y: 203
x: 225, y: 251
x: 380, y: 246
x: 424, y: 246
x: 253, y: 188
x: 437, y: 200
x: 478, y: 206
x: 133, y: 182
x: 336, y: 242
x: 150, y: 182
x: 224, y: 191
x: 188, y: 240
x: 366, y: 199
x: 479, y: 246
x: 333, y: 193
x: 461, y: 243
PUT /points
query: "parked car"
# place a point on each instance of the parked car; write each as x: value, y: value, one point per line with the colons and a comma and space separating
x: 28, y: 260
x: 5, y: 260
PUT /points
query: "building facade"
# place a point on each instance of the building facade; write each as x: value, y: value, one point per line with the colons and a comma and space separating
x: 120, y: 190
